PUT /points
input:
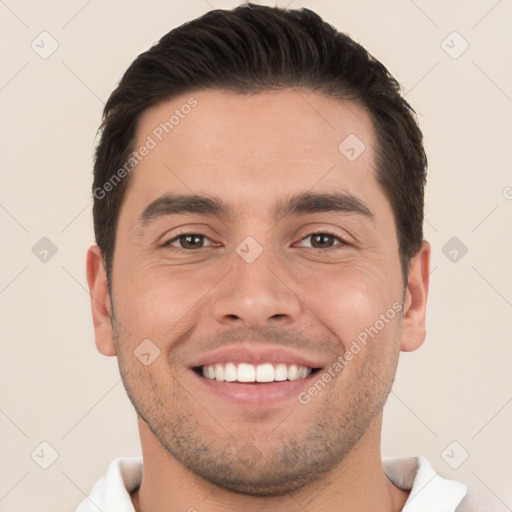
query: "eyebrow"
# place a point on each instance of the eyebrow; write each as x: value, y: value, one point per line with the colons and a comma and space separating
x: 301, y: 204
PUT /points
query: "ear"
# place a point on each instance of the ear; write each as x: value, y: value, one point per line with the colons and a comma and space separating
x: 100, y: 302
x: 415, y: 301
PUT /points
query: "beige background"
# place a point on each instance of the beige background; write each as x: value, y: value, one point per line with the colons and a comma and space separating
x: 55, y: 386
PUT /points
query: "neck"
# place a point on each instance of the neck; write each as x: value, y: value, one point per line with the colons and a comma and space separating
x: 358, y: 482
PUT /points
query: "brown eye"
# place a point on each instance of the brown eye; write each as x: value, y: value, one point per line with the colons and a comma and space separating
x: 325, y: 241
x: 191, y: 241
x: 322, y: 240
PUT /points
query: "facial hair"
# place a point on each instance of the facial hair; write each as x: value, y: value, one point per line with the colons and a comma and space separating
x: 240, y: 461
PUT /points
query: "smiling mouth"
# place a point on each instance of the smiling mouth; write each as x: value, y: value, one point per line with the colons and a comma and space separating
x: 247, y: 373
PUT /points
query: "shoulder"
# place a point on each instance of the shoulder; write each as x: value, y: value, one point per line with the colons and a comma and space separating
x: 430, y: 491
x: 480, y: 500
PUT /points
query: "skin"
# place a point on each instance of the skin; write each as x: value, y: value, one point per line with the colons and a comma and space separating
x: 201, y: 451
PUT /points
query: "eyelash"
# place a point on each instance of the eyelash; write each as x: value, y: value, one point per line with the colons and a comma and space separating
x: 343, y: 241
x: 198, y: 233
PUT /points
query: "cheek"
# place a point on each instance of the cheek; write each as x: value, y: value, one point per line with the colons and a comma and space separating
x: 347, y: 300
x: 153, y: 300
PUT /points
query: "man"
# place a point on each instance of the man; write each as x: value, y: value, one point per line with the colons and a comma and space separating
x: 258, y: 208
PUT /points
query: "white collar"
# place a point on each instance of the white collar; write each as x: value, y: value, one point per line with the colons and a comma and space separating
x: 428, y: 490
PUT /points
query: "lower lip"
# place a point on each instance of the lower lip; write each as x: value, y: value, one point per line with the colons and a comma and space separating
x: 255, y: 393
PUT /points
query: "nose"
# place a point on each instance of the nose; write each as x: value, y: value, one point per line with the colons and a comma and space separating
x: 256, y: 295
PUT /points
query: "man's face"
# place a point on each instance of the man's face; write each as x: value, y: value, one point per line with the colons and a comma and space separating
x: 262, y: 287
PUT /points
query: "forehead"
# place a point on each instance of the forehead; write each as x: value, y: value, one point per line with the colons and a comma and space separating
x: 249, y: 146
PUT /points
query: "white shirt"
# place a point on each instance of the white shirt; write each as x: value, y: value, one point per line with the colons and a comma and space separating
x: 429, y: 492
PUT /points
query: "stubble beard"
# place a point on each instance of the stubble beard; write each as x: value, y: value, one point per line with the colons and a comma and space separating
x: 275, y: 464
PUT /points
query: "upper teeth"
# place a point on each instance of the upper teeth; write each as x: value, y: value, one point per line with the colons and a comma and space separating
x: 244, y: 372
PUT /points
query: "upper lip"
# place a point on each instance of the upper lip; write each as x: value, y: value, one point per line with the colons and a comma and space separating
x: 255, y: 355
